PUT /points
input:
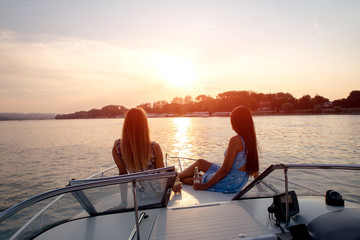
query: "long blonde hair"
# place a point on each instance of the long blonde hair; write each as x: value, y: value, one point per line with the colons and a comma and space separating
x: 135, y: 142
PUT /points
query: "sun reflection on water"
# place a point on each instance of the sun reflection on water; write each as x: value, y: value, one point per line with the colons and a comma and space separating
x: 182, y: 145
x: 32, y: 151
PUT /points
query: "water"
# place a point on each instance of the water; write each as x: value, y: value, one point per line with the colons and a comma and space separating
x: 37, y: 156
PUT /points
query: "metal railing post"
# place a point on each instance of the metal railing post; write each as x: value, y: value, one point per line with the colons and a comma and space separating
x: 136, y: 209
x: 84, y: 202
x: 286, y: 196
x: 142, y: 216
x: 40, y: 223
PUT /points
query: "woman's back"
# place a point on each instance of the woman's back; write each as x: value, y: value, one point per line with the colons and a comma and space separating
x: 135, y: 152
x: 152, y: 161
x: 240, y: 158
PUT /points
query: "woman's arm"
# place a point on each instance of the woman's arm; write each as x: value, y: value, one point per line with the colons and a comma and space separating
x: 159, y: 158
x: 235, y: 146
x: 119, y: 162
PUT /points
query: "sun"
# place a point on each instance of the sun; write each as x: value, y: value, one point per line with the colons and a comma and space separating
x: 178, y: 72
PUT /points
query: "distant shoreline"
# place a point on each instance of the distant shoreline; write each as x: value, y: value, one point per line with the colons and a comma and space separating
x: 46, y: 116
x: 348, y: 111
x: 26, y: 116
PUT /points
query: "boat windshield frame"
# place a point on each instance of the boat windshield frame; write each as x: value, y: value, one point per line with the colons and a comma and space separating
x: 159, y: 181
x: 285, y: 168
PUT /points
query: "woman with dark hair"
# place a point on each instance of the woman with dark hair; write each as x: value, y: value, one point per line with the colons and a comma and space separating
x: 240, y: 162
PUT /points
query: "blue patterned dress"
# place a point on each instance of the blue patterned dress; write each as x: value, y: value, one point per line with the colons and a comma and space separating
x: 234, y: 181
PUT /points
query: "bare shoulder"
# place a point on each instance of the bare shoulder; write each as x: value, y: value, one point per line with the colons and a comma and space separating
x: 235, y: 139
x: 117, y: 142
x: 159, y: 156
x: 236, y: 143
x: 157, y: 149
x: 156, y: 145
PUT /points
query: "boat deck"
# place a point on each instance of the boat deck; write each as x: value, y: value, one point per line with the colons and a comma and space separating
x: 188, y: 196
x: 222, y: 221
x: 189, y: 215
x: 104, y: 209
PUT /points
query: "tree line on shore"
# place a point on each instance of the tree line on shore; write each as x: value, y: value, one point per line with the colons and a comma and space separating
x: 226, y: 101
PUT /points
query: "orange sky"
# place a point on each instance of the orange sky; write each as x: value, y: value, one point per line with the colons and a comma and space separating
x: 66, y: 56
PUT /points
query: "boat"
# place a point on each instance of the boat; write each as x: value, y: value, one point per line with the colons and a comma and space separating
x: 287, y: 201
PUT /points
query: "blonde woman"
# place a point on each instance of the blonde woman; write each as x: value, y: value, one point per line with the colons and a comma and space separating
x: 135, y: 152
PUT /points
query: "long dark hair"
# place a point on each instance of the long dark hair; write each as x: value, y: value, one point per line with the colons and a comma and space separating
x: 243, y: 125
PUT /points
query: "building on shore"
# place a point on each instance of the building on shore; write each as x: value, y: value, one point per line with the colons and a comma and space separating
x: 220, y: 114
x: 197, y: 114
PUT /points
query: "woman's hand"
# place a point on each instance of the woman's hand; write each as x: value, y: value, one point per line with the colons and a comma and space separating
x: 199, y: 186
x: 177, y: 185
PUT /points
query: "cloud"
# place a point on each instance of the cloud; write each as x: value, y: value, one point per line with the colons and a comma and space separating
x: 69, y: 70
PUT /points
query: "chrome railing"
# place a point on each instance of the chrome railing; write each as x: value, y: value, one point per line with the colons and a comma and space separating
x: 39, y: 214
x: 134, y: 231
x: 101, y: 173
x: 285, y: 168
x: 77, y: 191
x: 178, y: 159
x: 122, y: 179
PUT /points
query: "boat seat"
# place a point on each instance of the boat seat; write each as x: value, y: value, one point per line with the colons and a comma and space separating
x: 342, y: 224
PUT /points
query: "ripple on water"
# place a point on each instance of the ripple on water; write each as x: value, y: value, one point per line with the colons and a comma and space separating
x: 37, y: 156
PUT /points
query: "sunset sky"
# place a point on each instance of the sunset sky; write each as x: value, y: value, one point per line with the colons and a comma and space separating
x: 62, y: 56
